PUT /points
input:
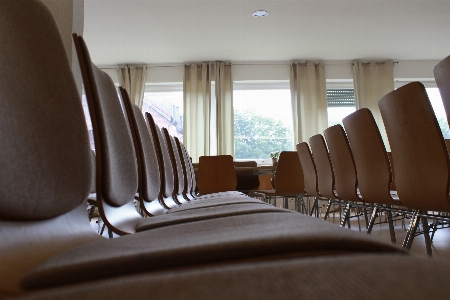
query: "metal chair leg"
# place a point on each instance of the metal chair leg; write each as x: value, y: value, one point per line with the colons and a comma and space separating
x: 410, y: 234
x: 346, y: 214
x: 391, y: 226
x: 327, y: 210
x: 372, y: 219
x: 426, y: 232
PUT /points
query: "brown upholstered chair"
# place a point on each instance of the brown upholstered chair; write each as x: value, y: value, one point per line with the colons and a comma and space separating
x: 420, y: 154
x: 373, y: 167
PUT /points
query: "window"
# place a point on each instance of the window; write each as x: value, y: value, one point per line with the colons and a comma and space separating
x: 262, y: 118
x: 341, y: 103
x: 88, y: 120
x: 164, y: 101
x: 439, y: 111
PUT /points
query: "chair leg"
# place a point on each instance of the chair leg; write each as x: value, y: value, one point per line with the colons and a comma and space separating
x: 426, y: 233
x: 345, y: 216
x: 372, y: 219
x: 407, y: 242
x: 391, y: 226
x: 328, y: 210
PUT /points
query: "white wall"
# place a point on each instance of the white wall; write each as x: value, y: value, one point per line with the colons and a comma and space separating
x: 337, y: 71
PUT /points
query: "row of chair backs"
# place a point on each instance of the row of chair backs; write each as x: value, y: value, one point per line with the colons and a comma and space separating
x: 418, y: 148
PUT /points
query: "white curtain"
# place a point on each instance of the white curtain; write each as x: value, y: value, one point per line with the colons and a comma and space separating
x: 132, y: 79
x: 308, y: 99
x: 197, y: 109
x: 373, y: 80
x: 224, y: 109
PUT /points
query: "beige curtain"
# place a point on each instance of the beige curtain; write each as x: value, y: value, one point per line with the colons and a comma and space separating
x: 132, y: 79
x: 197, y: 109
x: 308, y: 99
x: 224, y: 111
x: 373, y: 80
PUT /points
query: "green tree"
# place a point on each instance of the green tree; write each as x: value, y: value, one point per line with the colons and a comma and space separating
x: 256, y: 136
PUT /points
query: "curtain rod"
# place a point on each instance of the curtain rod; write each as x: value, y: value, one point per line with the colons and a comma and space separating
x: 250, y: 64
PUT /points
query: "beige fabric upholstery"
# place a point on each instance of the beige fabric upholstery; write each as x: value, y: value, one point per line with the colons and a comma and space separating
x: 151, y: 181
x: 119, y: 178
x: 221, y: 199
x: 223, y: 239
x: 33, y: 93
x: 206, y: 213
x: 346, y: 277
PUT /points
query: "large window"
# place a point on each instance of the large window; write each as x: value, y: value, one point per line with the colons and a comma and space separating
x: 164, y: 101
x: 262, y: 118
x: 439, y: 111
x: 341, y: 103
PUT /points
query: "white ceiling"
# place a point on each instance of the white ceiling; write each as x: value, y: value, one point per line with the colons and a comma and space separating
x: 177, y: 31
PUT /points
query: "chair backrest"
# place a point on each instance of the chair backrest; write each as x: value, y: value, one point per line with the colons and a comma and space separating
x: 325, y: 175
x: 216, y: 174
x: 45, y: 162
x: 371, y: 160
x: 345, y: 180
x: 117, y: 181
x: 246, y: 180
x: 149, y: 175
x: 308, y: 168
x: 422, y: 166
x: 165, y: 165
x: 177, y: 169
x: 193, y: 176
x: 442, y: 76
x: 289, y: 179
x: 186, y: 168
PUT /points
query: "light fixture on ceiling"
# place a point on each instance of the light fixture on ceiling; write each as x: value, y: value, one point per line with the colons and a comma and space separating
x: 260, y: 13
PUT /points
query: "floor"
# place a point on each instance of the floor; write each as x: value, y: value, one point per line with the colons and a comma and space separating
x: 441, y: 240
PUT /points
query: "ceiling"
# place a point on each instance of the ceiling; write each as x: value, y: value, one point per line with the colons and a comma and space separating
x: 170, y: 32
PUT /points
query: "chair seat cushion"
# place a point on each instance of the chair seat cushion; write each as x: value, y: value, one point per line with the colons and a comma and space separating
x: 362, y: 276
x: 215, y: 201
x: 204, y: 214
x: 209, y: 241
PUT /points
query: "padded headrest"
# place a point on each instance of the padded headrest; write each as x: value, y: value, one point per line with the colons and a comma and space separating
x: 45, y: 158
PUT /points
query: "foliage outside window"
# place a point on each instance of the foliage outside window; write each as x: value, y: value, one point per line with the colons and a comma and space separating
x: 262, y: 119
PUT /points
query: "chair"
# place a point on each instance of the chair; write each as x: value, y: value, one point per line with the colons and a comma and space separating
x: 216, y: 174
x: 310, y: 177
x: 373, y: 167
x: 344, y: 169
x: 289, y: 181
x: 246, y: 180
x: 325, y: 175
x: 421, y: 158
